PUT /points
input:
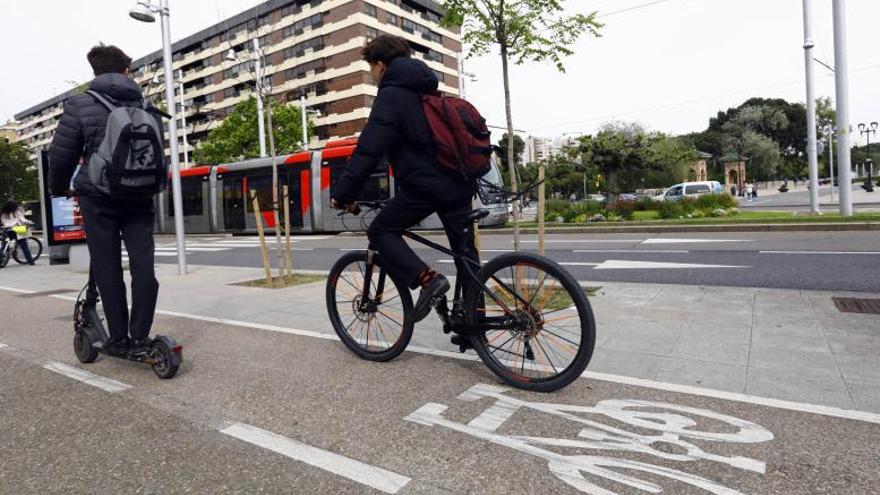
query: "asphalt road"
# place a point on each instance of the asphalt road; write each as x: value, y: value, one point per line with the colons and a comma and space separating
x: 835, y: 261
x: 255, y: 411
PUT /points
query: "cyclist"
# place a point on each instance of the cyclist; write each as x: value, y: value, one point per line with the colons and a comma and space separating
x: 397, y: 128
x: 11, y: 217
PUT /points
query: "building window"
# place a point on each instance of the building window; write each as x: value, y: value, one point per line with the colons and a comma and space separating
x: 291, y: 9
x: 434, y: 56
x: 265, y: 40
x: 372, y: 33
x: 391, y: 18
x: 299, y: 26
x: 440, y: 75
x: 299, y: 49
x: 230, y: 92
x: 371, y: 10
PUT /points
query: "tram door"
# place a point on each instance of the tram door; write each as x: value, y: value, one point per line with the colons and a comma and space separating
x: 295, y: 177
x: 233, y: 204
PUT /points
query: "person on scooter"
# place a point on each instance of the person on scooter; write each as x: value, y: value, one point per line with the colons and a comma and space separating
x: 397, y: 128
x: 11, y: 217
x: 108, y: 220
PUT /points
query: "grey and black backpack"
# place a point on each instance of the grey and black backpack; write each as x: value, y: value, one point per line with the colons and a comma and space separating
x: 130, y: 161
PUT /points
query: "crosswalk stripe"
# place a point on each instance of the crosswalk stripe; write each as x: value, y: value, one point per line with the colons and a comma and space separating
x: 87, y: 377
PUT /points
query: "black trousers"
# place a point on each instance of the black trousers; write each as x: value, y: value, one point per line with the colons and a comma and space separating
x: 409, y: 208
x: 108, y: 222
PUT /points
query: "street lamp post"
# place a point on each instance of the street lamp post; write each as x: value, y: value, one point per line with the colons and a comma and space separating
x: 145, y: 11
x: 812, y: 159
x: 841, y: 76
x: 258, y: 82
x: 867, y: 130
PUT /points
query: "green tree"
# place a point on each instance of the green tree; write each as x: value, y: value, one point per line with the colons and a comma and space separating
x: 18, y: 173
x: 519, y: 147
x: 623, y: 152
x: 237, y: 139
x: 524, y: 31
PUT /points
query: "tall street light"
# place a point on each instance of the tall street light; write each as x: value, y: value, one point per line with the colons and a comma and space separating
x: 146, y: 11
x: 867, y: 130
x: 258, y: 82
x: 841, y: 83
x: 812, y: 149
x: 183, y: 119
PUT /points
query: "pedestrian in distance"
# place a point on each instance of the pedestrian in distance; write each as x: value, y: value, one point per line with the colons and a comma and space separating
x: 115, y: 189
x: 399, y: 128
x: 748, y: 193
x: 12, y: 218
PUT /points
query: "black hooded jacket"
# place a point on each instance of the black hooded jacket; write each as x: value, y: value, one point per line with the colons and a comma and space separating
x: 81, y: 131
x: 397, y: 128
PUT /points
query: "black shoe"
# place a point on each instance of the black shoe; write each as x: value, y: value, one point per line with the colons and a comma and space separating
x: 118, y: 348
x: 139, y: 347
x: 436, y: 287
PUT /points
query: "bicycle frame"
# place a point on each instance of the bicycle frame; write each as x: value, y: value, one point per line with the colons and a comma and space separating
x: 454, y: 323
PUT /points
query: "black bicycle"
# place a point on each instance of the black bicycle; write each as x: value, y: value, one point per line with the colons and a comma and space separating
x: 527, y: 318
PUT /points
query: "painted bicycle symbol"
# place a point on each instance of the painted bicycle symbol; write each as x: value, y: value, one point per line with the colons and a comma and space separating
x: 672, y: 427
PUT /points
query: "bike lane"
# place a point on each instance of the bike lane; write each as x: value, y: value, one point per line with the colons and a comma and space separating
x: 299, y: 411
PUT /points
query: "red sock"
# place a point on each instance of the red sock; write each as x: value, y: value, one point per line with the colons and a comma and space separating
x: 426, y: 276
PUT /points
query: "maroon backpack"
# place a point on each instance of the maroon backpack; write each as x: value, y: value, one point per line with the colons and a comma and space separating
x: 460, y: 135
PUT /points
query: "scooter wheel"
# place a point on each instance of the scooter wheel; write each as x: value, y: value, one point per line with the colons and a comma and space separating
x: 165, y: 366
x: 82, y: 346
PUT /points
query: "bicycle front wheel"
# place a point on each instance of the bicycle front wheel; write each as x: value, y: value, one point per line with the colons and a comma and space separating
x: 35, y: 247
x: 371, y: 313
x: 533, y: 325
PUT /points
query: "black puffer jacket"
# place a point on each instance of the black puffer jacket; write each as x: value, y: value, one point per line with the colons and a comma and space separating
x: 397, y: 127
x: 81, y: 130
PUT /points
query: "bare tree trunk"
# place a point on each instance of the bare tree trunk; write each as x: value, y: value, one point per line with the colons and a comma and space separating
x: 542, y: 193
x: 510, y: 141
x: 278, y: 251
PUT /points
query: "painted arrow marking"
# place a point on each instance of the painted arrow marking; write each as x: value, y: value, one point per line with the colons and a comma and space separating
x: 632, y: 265
x: 685, y: 241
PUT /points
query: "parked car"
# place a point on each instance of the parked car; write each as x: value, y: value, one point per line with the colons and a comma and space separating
x: 691, y: 190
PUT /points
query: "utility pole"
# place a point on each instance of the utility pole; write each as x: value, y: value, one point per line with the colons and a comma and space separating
x: 812, y: 149
x: 831, y: 158
x: 841, y: 76
x: 258, y: 72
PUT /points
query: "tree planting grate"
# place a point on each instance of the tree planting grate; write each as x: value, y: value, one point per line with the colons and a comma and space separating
x: 856, y: 305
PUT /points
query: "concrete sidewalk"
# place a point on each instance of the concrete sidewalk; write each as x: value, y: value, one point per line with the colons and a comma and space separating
x: 791, y: 345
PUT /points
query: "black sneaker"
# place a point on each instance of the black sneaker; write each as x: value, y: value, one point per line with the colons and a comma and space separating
x: 139, y: 347
x: 118, y: 348
x: 436, y: 287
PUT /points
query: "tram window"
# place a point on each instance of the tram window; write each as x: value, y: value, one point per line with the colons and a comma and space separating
x: 377, y: 186
x: 262, y: 184
x: 191, y: 193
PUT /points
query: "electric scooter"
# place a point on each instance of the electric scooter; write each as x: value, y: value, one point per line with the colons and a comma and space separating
x: 164, y: 355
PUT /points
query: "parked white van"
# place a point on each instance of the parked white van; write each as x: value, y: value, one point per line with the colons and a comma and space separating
x: 691, y: 190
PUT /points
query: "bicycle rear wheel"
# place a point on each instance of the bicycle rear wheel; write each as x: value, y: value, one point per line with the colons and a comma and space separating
x: 4, y: 255
x: 534, y: 327
x: 377, y: 327
x: 35, y: 246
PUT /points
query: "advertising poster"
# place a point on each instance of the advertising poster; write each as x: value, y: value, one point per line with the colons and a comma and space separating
x: 64, y: 222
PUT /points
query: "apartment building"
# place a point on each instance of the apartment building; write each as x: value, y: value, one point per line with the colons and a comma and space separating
x: 310, y: 48
x: 8, y: 132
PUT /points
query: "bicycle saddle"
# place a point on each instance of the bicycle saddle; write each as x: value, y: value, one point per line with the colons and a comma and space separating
x: 479, y: 213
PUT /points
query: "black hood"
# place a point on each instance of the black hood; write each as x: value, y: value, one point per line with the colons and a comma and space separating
x: 411, y: 74
x: 117, y: 86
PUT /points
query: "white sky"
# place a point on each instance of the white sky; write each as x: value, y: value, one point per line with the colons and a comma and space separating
x: 671, y: 65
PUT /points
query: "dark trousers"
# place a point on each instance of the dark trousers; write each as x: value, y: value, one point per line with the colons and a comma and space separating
x: 408, y: 209
x: 108, y: 222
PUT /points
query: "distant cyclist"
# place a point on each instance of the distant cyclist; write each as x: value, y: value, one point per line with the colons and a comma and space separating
x: 398, y: 128
x: 12, y: 218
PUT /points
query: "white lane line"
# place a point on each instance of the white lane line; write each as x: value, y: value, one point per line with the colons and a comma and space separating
x: 561, y: 241
x: 625, y: 380
x: 13, y: 289
x: 577, y: 263
x: 2, y: 346
x: 820, y: 252
x: 87, y: 377
x: 195, y: 249
x: 649, y: 251
x: 685, y: 241
x: 365, y: 474
x: 654, y: 265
